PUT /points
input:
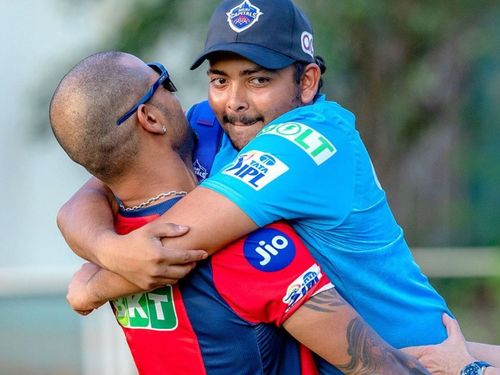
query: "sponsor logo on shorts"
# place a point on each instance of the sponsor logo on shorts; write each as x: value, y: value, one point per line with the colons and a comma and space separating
x: 269, y: 250
x: 312, y: 142
x: 299, y: 288
x: 154, y: 310
x: 256, y: 169
x: 243, y: 16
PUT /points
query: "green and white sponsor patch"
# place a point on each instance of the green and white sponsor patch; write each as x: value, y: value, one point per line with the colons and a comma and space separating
x: 153, y: 310
x: 312, y: 142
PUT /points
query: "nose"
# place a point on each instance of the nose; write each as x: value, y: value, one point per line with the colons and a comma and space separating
x: 237, y: 99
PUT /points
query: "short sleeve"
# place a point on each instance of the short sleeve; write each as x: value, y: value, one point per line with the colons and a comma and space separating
x: 267, y: 275
x: 292, y: 171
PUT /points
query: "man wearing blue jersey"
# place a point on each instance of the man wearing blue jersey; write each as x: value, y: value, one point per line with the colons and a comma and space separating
x: 288, y: 153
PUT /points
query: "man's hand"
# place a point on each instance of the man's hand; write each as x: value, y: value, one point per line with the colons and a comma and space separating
x: 78, y: 295
x: 141, y: 258
x: 447, y: 358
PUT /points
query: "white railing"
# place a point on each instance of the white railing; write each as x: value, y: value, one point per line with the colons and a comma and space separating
x: 104, y: 350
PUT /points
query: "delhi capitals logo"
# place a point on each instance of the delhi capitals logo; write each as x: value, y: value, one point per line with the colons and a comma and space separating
x: 243, y: 16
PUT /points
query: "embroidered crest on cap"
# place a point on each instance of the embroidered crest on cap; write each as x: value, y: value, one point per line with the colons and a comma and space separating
x: 306, y: 41
x: 243, y: 16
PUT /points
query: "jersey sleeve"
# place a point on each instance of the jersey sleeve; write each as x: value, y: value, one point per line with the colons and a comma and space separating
x: 267, y: 275
x: 292, y: 170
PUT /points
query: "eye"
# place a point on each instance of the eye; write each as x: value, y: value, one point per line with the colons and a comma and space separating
x: 259, y: 81
x: 218, y: 81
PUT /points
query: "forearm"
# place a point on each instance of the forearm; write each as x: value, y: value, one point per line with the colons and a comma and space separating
x: 330, y: 327
x: 485, y: 352
x: 492, y: 371
x: 105, y: 286
x: 86, y: 219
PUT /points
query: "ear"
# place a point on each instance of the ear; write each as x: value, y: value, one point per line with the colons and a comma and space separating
x: 149, y: 118
x: 309, y: 83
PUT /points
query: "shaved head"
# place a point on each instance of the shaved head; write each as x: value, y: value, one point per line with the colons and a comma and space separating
x: 86, y: 105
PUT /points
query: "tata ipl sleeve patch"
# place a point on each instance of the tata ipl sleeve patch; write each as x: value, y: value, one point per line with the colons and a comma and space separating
x: 256, y: 168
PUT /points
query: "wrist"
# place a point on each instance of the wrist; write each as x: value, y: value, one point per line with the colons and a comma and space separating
x: 475, y: 368
x: 104, y: 249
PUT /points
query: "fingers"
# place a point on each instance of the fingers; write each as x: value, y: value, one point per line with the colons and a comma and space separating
x: 159, y: 229
x: 452, y: 328
x: 175, y: 257
x: 173, y: 273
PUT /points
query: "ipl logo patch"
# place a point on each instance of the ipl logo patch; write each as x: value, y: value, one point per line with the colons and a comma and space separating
x: 299, y: 288
x: 256, y: 169
x: 243, y: 16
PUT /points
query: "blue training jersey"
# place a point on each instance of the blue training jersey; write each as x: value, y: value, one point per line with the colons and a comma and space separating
x: 310, y: 167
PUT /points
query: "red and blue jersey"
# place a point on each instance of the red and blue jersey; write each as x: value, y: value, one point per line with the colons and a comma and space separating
x: 224, y: 317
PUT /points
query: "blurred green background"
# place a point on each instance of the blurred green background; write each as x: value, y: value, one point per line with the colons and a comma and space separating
x: 422, y: 77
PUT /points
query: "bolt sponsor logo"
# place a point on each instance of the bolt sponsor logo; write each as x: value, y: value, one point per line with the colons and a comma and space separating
x: 299, y: 288
x: 154, y: 310
x: 269, y: 250
x: 243, y: 16
x: 256, y: 169
x: 312, y: 142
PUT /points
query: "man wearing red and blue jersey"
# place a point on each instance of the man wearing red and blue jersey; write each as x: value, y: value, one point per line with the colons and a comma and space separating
x: 222, y: 318
x: 211, y: 322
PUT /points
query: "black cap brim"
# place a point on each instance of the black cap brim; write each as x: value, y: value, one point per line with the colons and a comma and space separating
x: 261, y: 56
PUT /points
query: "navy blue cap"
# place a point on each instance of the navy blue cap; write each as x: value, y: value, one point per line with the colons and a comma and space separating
x: 270, y: 33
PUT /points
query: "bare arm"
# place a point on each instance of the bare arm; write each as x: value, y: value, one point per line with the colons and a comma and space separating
x: 86, y: 222
x: 86, y: 218
x: 485, y: 352
x: 93, y: 286
x: 330, y: 327
x: 453, y: 354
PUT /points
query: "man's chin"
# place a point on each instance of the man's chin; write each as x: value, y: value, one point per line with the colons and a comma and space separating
x: 241, y: 137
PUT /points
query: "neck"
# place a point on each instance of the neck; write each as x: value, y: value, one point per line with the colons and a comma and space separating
x: 165, y: 173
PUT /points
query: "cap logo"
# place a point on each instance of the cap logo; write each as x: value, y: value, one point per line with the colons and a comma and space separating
x: 306, y: 40
x: 243, y: 16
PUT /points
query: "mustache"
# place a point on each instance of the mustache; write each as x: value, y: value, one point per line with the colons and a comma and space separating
x: 245, y: 120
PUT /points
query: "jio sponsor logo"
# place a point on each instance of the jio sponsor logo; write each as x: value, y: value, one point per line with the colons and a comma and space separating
x: 269, y: 250
x: 256, y: 169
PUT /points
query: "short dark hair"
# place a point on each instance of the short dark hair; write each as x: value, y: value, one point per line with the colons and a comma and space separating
x: 300, y: 68
x: 85, y: 107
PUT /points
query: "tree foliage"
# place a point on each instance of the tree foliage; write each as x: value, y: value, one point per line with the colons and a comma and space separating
x: 422, y: 78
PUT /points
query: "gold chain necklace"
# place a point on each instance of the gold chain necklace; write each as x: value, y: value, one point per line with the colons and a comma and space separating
x: 152, y: 200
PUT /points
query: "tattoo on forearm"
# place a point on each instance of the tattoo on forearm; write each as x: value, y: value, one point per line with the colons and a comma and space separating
x: 370, y: 355
x: 327, y: 301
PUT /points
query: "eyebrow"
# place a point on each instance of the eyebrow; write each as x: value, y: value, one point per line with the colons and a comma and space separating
x: 245, y: 72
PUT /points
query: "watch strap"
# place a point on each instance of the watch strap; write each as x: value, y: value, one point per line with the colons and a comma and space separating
x: 475, y: 368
